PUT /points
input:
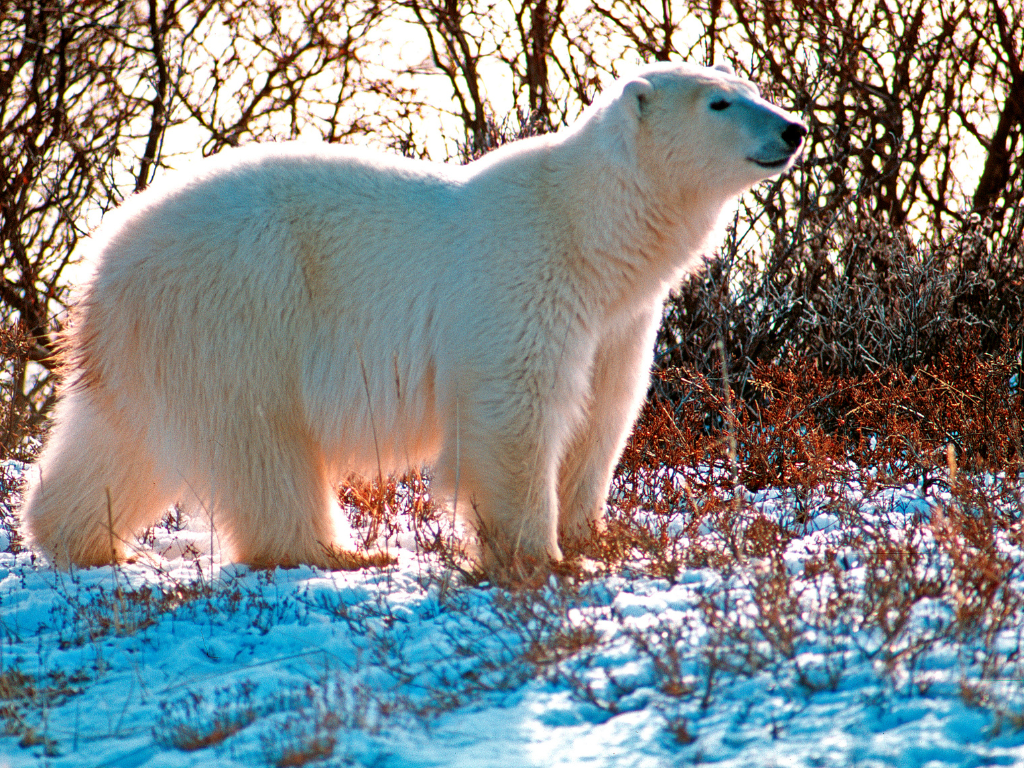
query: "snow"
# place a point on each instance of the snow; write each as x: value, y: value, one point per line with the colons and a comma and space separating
x: 180, y: 660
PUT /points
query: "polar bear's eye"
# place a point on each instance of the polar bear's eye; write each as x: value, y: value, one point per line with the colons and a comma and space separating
x: 719, y: 104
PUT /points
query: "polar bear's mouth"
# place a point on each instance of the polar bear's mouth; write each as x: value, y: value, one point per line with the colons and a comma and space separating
x: 771, y: 164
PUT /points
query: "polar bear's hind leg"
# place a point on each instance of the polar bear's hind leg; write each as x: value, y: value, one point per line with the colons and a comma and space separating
x: 95, y: 486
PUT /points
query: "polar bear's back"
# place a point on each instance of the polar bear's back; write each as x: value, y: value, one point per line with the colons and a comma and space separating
x: 231, y: 208
x: 253, y: 279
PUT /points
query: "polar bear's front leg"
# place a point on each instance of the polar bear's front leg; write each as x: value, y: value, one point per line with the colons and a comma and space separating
x: 619, y: 381
x: 500, y: 464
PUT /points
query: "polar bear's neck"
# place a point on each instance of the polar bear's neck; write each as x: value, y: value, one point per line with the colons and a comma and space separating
x: 634, y: 242
x: 621, y: 241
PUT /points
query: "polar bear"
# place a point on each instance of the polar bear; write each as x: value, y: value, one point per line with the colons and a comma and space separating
x: 280, y: 317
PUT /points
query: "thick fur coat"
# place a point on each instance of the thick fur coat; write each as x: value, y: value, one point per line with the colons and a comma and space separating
x: 280, y: 317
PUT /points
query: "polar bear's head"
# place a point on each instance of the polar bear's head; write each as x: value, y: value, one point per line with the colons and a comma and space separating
x: 697, y: 129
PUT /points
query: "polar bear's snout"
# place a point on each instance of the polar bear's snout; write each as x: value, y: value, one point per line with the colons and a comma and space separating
x: 777, y: 153
x: 794, y: 134
x: 785, y: 136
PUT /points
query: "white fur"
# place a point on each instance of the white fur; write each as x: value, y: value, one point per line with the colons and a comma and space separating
x: 283, y: 316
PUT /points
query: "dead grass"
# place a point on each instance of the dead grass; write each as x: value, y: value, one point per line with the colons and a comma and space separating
x: 781, y: 480
x: 22, y: 696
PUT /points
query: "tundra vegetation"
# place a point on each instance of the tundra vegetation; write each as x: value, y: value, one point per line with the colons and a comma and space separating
x: 833, y: 443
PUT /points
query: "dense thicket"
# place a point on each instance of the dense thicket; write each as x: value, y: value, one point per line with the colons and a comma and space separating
x: 898, y: 237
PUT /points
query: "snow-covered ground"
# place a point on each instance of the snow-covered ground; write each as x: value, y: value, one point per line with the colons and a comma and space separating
x: 179, y: 660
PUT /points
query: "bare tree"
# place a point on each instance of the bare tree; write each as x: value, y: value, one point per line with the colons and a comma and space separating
x: 93, y: 94
x: 876, y: 250
x: 997, y: 56
x: 542, y: 48
x: 64, y: 116
x: 97, y: 98
x: 284, y: 69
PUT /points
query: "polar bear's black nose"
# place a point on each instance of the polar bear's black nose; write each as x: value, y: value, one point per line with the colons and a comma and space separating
x: 793, y: 134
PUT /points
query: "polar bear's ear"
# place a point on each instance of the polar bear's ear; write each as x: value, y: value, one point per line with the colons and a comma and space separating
x: 635, y: 94
x: 727, y: 68
x: 622, y: 116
